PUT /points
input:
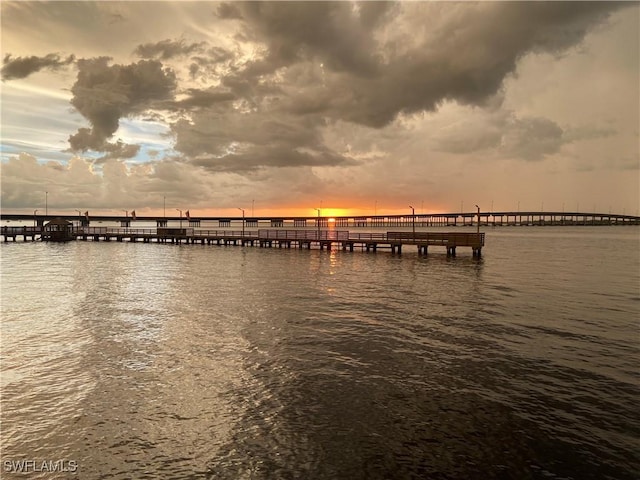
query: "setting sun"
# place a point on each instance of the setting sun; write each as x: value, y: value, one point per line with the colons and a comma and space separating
x: 334, y: 212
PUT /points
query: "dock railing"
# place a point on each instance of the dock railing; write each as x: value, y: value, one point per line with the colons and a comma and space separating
x: 361, y: 237
x: 311, y: 235
x: 225, y: 233
x: 451, y: 239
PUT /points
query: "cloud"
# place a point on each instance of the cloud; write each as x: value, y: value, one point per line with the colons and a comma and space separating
x: 25, y: 179
x: 114, y: 185
x: 22, y: 67
x: 315, y: 63
x: 86, y: 139
x: 499, y: 133
x: 118, y: 150
x: 252, y: 159
x: 588, y: 132
x: 331, y: 31
x: 532, y: 138
x: 242, y: 137
x: 298, y: 66
x: 201, y: 99
x: 374, y: 70
x: 105, y: 93
x: 304, y: 89
x: 167, y: 49
x: 228, y: 11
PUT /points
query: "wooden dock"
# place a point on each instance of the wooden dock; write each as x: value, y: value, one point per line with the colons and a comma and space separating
x: 323, y: 239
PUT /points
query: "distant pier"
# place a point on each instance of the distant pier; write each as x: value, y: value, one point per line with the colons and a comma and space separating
x: 271, y: 238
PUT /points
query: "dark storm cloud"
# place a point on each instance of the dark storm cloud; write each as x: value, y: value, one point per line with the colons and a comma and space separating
x: 315, y: 63
x: 22, y: 67
x: 228, y: 11
x: 450, y: 51
x: 224, y: 139
x: 470, y: 65
x: 118, y: 150
x: 207, y: 64
x: 532, y: 139
x: 105, y: 93
x: 271, y: 156
x: 505, y: 134
x: 331, y: 31
x: 167, y: 49
x: 122, y: 150
x: 86, y: 139
x: 220, y: 132
x: 366, y: 63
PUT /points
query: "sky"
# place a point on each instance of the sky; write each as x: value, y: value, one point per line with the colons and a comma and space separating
x: 351, y: 107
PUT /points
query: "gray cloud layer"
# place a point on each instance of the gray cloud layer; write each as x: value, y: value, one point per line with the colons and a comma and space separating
x: 455, y: 52
x: 167, y: 49
x: 316, y: 63
x: 336, y: 61
x: 21, y: 67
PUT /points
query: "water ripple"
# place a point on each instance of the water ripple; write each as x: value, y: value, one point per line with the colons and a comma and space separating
x: 159, y: 361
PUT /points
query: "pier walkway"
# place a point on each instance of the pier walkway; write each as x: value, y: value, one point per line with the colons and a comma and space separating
x: 323, y: 239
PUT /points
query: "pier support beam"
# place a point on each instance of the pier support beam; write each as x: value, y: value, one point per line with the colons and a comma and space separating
x: 325, y: 244
x: 347, y: 245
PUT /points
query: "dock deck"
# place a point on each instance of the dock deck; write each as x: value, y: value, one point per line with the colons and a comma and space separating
x: 322, y: 239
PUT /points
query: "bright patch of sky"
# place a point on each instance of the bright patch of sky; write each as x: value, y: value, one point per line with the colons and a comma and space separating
x: 38, y: 120
x: 153, y: 137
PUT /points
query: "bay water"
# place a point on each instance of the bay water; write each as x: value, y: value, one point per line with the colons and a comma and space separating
x: 135, y: 361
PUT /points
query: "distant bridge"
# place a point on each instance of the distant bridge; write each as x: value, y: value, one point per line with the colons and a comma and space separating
x: 506, y: 218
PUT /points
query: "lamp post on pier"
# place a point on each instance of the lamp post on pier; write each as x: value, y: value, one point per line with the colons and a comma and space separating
x: 478, y: 230
x: 413, y: 222
x: 242, y: 210
x: 46, y: 203
x: 35, y: 219
x: 79, y: 218
x: 318, y: 221
x: 180, y: 216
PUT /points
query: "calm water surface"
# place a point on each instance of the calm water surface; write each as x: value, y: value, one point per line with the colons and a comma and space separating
x: 137, y: 360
